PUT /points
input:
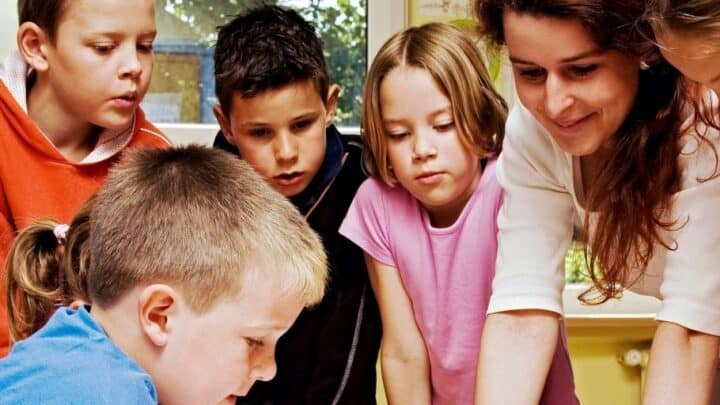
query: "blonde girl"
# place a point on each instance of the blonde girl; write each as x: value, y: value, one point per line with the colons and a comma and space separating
x: 433, y: 127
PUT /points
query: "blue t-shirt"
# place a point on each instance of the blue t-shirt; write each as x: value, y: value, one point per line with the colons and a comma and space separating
x: 72, y: 361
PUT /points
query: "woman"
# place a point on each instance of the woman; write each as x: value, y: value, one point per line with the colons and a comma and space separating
x: 599, y: 138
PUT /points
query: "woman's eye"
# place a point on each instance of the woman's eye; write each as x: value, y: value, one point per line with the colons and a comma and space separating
x: 533, y: 74
x: 582, y: 71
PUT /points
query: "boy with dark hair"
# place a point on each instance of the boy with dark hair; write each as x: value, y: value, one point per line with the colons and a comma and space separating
x: 69, y: 101
x: 276, y: 107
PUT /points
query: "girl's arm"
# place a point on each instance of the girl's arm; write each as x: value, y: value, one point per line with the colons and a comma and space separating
x: 516, y: 351
x: 683, y: 365
x: 403, y: 355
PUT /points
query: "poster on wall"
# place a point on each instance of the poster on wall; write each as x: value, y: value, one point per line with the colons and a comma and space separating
x: 444, y: 8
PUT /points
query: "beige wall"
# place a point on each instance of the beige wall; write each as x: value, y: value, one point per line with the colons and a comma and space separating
x: 8, y: 26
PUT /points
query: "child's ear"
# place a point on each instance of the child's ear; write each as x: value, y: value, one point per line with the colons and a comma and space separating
x: 32, y: 43
x: 331, y: 103
x: 224, y: 123
x: 157, y: 304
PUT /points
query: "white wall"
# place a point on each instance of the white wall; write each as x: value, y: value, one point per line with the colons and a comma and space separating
x: 8, y: 26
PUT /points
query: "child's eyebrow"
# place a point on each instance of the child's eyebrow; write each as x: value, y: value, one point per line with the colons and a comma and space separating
x: 571, y: 59
x: 117, y: 34
x: 308, y: 114
x: 443, y: 110
x: 254, y: 124
x: 267, y: 326
x: 258, y: 124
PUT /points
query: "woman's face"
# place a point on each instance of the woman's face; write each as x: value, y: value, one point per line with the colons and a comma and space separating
x: 579, y: 92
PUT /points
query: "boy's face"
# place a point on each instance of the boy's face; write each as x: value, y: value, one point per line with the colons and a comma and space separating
x: 212, y: 358
x: 281, y: 133
x: 98, y: 70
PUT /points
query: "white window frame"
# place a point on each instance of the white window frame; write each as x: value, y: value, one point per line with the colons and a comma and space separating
x: 384, y: 17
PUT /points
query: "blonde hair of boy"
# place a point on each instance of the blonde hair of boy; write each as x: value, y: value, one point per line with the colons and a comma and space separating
x: 197, y: 219
x: 453, y: 59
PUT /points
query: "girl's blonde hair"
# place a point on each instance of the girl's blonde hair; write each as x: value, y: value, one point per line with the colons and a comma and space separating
x: 694, y: 17
x: 454, y: 61
x: 198, y: 219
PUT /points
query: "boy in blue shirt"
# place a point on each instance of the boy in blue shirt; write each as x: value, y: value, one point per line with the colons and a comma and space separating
x: 276, y: 108
x: 194, y: 268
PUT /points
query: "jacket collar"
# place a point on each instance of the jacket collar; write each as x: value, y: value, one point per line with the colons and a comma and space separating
x: 331, y: 165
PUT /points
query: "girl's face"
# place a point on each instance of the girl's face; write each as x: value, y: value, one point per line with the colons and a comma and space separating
x: 695, y: 56
x: 579, y: 92
x: 423, y: 144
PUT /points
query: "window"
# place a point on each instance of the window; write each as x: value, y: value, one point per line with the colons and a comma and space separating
x: 182, y: 88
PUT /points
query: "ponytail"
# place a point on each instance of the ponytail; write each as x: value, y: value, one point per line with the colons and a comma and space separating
x: 46, y: 269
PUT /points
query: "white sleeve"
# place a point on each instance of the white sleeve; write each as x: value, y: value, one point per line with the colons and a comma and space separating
x: 691, y: 280
x: 535, y: 223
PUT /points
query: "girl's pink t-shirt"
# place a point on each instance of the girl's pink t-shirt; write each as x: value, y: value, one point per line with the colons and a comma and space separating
x: 447, y: 274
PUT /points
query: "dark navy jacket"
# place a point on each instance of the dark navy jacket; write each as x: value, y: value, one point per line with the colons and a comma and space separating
x: 328, y: 356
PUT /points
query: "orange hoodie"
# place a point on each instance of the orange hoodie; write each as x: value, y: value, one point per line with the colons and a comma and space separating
x: 36, y: 181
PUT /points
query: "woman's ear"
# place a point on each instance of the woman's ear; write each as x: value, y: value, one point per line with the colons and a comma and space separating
x: 331, y: 103
x: 32, y: 42
x: 157, y: 305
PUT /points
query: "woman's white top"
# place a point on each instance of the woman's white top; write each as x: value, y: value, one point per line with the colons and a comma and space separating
x: 543, y: 186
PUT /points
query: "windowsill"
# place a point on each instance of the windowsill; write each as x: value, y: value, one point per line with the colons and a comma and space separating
x: 632, y: 310
x: 183, y: 134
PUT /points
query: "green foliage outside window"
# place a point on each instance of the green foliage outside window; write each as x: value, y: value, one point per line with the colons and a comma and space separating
x: 576, y: 266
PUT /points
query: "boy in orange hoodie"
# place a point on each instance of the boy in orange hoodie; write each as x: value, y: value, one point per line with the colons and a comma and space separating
x: 69, y: 101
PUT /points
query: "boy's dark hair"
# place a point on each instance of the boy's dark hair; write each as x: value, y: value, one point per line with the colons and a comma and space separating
x: 45, y: 13
x: 267, y: 47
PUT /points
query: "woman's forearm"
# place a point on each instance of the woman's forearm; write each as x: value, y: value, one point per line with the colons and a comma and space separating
x: 683, y: 365
x: 515, y: 355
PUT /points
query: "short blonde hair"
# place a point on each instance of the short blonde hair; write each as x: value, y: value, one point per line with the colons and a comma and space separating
x: 198, y: 219
x: 454, y: 61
